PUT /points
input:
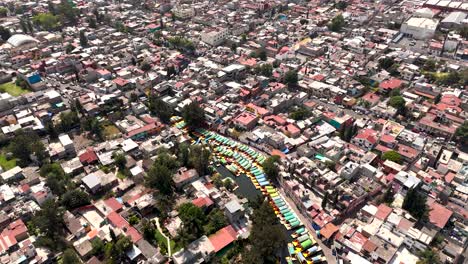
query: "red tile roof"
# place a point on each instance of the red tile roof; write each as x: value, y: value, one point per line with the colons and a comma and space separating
x: 383, y: 211
x: 439, y: 215
x: 88, y: 157
x: 117, y: 220
x: 391, y: 84
x: 223, y: 237
x: 113, y: 204
x: 134, y: 234
x: 202, y: 202
x: 328, y: 230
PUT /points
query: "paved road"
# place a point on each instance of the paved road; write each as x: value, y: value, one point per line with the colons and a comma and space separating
x: 326, y: 250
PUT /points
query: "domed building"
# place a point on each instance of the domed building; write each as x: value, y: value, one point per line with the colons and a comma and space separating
x: 20, y: 42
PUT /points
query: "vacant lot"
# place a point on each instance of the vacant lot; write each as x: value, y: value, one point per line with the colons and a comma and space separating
x: 12, y: 89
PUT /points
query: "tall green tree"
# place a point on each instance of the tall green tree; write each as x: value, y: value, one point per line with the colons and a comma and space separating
x: 415, y: 204
x: 428, y: 256
x: 270, y: 167
x: 5, y: 33
x: 69, y: 257
x: 160, y: 108
x: 199, y: 159
x: 75, y: 198
x: 83, y: 39
x: 337, y: 23
x: 50, y: 226
x: 291, y: 78
x: 266, y: 237
x: 25, y: 144
x: 193, y: 219
x: 193, y: 115
x: 462, y: 133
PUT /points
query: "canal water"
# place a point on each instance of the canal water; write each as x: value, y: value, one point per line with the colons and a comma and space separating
x: 246, y: 188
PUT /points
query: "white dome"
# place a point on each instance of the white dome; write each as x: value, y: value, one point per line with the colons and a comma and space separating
x: 20, y: 39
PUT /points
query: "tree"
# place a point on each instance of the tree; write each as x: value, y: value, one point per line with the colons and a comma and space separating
x: 3, y: 12
x: 462, y: 133
x: 388, y: 196
x: 92, y: 22
x: 233, y: 47
x: 430, y: 65
x: 386, y: 63
x: 68, y: 121
x: 392, y: 156
x: 464, y: 32
x: 303, y: 21
x: 184, y: 154
x: 291, y: 78
x: 69, y: 257
x: 192, y: 218
x: 5, y: 33
x: 83, y: 39
x: 75, y: 198
x: 270, y: 167
x: 68, y: 12
x: 98, y: 247
x: 341, y: 5
x: 325, y: 200
x: 25, y: 144
x: 428, y: 256
x: 193, y: 115
x: 199, y: 159
x: 216, y: 221
x: 145, y: 66
x: 397, y: 102
x: 120, y: 160
x: 160, y: 108
x: 265, y: 70
x: 261, y: 54
x: 337, y: 23
x: 47, y: 21
x: 56, y: 179
x: 49, y: 223
x: 266, y: 238
x: 300, y: 113
x: 160, y: 177
x: 415, y: 204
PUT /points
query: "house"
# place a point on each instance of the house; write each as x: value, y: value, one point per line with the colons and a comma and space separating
x: 390, y: 85
x: 365, y: 139
x: 199, y: 251
x: 223, y: 238
x: 245, y: 120
x: 67, y: 144
x: 184, y: 176
x: 234, y: 211
x: 13, y: 174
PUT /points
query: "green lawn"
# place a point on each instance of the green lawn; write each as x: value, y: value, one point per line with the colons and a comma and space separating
x: 110, y: 131
x: 163, y: 241
x: 7, y: 164
x: 13, y: 89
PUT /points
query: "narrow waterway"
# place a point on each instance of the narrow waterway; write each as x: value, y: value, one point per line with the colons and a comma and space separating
x: 246, y: 188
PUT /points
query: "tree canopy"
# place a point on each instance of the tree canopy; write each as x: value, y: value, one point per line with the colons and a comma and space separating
x: 161, y: 172
x: 75, y: 198
x: 392, y: 156
x: 270, y: 167
x: 49, y: 224
x: 69, y: 257
x: 397, y: 102
x: 160, y: 108
x: 337, y: 23
x: 25, y: 144
x: 291, y: 78
x: 415, y: 204
x: 266, y: 237
x: 199, y: 159
x: 462, y: 133
x: 428, y: 256
x: 46, y: 21
x: 193, y: 115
